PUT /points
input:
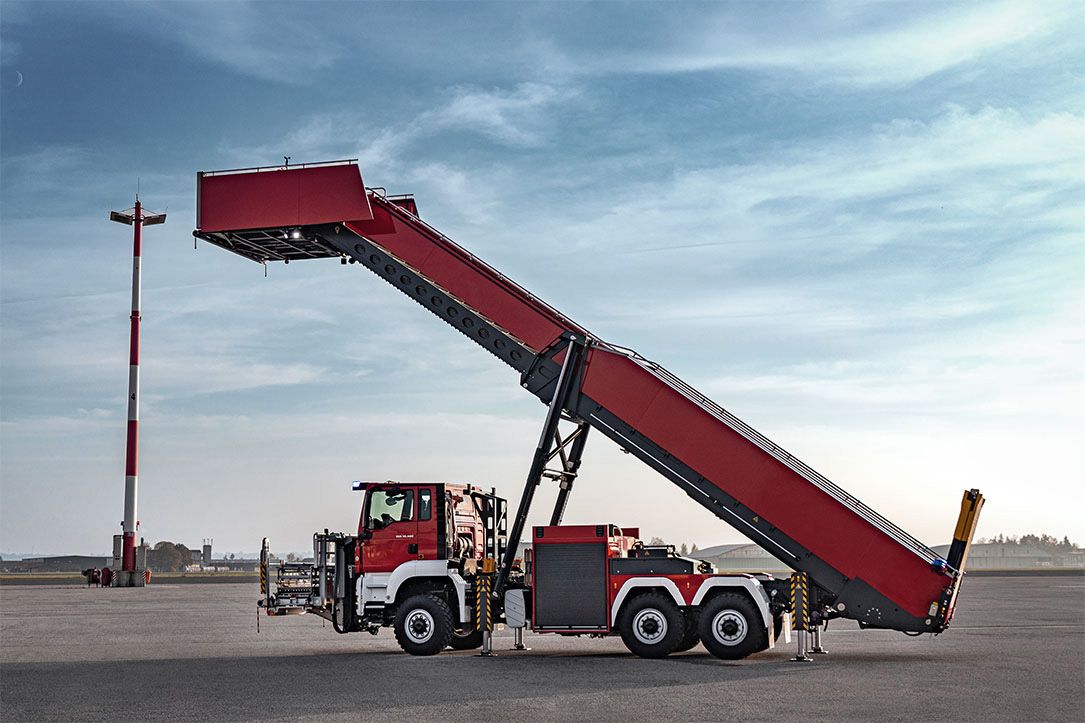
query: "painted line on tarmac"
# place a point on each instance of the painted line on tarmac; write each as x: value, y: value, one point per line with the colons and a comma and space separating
x: 1015, y: 627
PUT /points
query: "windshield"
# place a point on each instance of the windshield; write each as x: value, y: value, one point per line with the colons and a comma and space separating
x: 389, y: 506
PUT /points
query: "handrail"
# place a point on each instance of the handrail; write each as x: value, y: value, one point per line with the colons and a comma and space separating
x: 524, y: 293
x: 280, y: 167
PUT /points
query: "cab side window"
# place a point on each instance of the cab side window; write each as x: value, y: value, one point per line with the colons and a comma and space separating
x: 387, y: 507
x: 425, y: 504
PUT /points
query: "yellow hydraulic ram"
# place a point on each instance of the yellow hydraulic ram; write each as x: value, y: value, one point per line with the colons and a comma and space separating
x: 966, y: 527
x: 958, y: 554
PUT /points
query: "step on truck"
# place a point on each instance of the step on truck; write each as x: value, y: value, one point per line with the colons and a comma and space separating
x: 850, y: 562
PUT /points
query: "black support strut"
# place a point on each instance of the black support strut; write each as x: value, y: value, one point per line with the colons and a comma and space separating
x: 570, y: 463
x: 567, y: 379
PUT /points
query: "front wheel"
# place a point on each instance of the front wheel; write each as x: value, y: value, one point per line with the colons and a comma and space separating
x: 731, y: 627
x: 423, y: 625
x: 651, y: 625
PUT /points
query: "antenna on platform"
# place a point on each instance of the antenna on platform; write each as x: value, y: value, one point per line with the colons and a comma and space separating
x: 129, y: 575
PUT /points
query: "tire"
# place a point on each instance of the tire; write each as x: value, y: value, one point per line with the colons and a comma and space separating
x: 466, y: 640
x: 692, y: 635
x: 731, y: 627
x: 651, y: 625
x: 341, y: 621
x: 423, y: 625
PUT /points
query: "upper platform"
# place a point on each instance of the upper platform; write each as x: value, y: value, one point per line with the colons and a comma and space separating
x: 260, y: 212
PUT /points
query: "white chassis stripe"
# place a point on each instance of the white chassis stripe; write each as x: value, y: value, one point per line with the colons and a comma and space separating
x: 638, y: 582
x: 383, y: 586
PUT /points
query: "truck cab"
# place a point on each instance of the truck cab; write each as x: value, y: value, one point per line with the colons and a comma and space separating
x: 412, y: 565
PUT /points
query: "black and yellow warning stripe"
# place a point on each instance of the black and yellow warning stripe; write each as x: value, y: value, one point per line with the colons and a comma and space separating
x: 800, y: 601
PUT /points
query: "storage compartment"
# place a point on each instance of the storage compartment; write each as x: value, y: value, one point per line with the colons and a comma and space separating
x: 570, y: 583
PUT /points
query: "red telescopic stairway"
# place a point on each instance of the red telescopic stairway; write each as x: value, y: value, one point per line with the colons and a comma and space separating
x: 866, y: 568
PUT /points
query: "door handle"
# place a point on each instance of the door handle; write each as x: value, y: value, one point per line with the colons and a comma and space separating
x: 412, y: 549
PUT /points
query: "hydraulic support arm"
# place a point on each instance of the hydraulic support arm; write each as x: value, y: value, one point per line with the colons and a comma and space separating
x: 575, y: 346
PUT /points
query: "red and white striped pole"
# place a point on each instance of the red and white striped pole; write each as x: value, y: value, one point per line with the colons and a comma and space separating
x: 131, y: 453
x: 137, y: 219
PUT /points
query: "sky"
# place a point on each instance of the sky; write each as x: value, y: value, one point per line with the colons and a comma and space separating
x: 857, y: 226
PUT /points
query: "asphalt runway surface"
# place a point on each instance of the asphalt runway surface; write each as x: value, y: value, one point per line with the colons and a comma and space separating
x: 1016, y: 651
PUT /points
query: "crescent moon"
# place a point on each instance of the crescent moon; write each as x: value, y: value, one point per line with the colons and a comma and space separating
x: 20, y: 80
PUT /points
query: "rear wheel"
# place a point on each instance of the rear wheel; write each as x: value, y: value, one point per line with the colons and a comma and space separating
x: 692, y: 635
x: 651, y: 625
x: 731, y: 627
x: 423, y: 625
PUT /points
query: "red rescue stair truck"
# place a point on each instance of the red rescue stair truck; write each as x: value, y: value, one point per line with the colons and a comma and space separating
x: 434, y: 561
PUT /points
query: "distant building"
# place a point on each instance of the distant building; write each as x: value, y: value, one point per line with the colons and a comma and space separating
x: 746, y: 557
x: 62, y: 563
x: 987, y: 556
x: 1000, y: 556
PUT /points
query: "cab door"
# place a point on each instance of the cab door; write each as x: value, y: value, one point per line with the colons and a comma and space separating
x: 390, y: 522
x: 432, y: 535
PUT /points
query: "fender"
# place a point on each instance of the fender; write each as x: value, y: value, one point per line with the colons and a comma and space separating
x: 637, y: 582
x: 752, y: 586
x: 428, y: 568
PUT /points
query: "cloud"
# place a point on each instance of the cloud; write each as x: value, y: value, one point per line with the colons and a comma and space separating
x: 1004, y: 375
x: 46, y: 168
x: 509, y: 117
x: 283, y: 47
x: 516, y: 117
x: 904, y: 182
x: 877, y: 44
x: 9, y: 51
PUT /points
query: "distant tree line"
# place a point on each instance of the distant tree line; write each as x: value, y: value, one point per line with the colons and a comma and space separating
x: 1047, y: 541
x: 168, y: 557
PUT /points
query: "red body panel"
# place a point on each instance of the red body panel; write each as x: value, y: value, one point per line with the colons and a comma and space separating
x: 785, y: 500
x: 427, y: 522
x: 287, y: 197
x: 687, y: 585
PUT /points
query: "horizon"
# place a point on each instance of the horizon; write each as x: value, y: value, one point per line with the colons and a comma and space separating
x: 856, y: 227
x: 699, y: 547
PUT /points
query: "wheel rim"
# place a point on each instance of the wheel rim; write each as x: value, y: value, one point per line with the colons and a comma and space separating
x: 729, y: 627
x: 649, y: 626
x: 419, y: 626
